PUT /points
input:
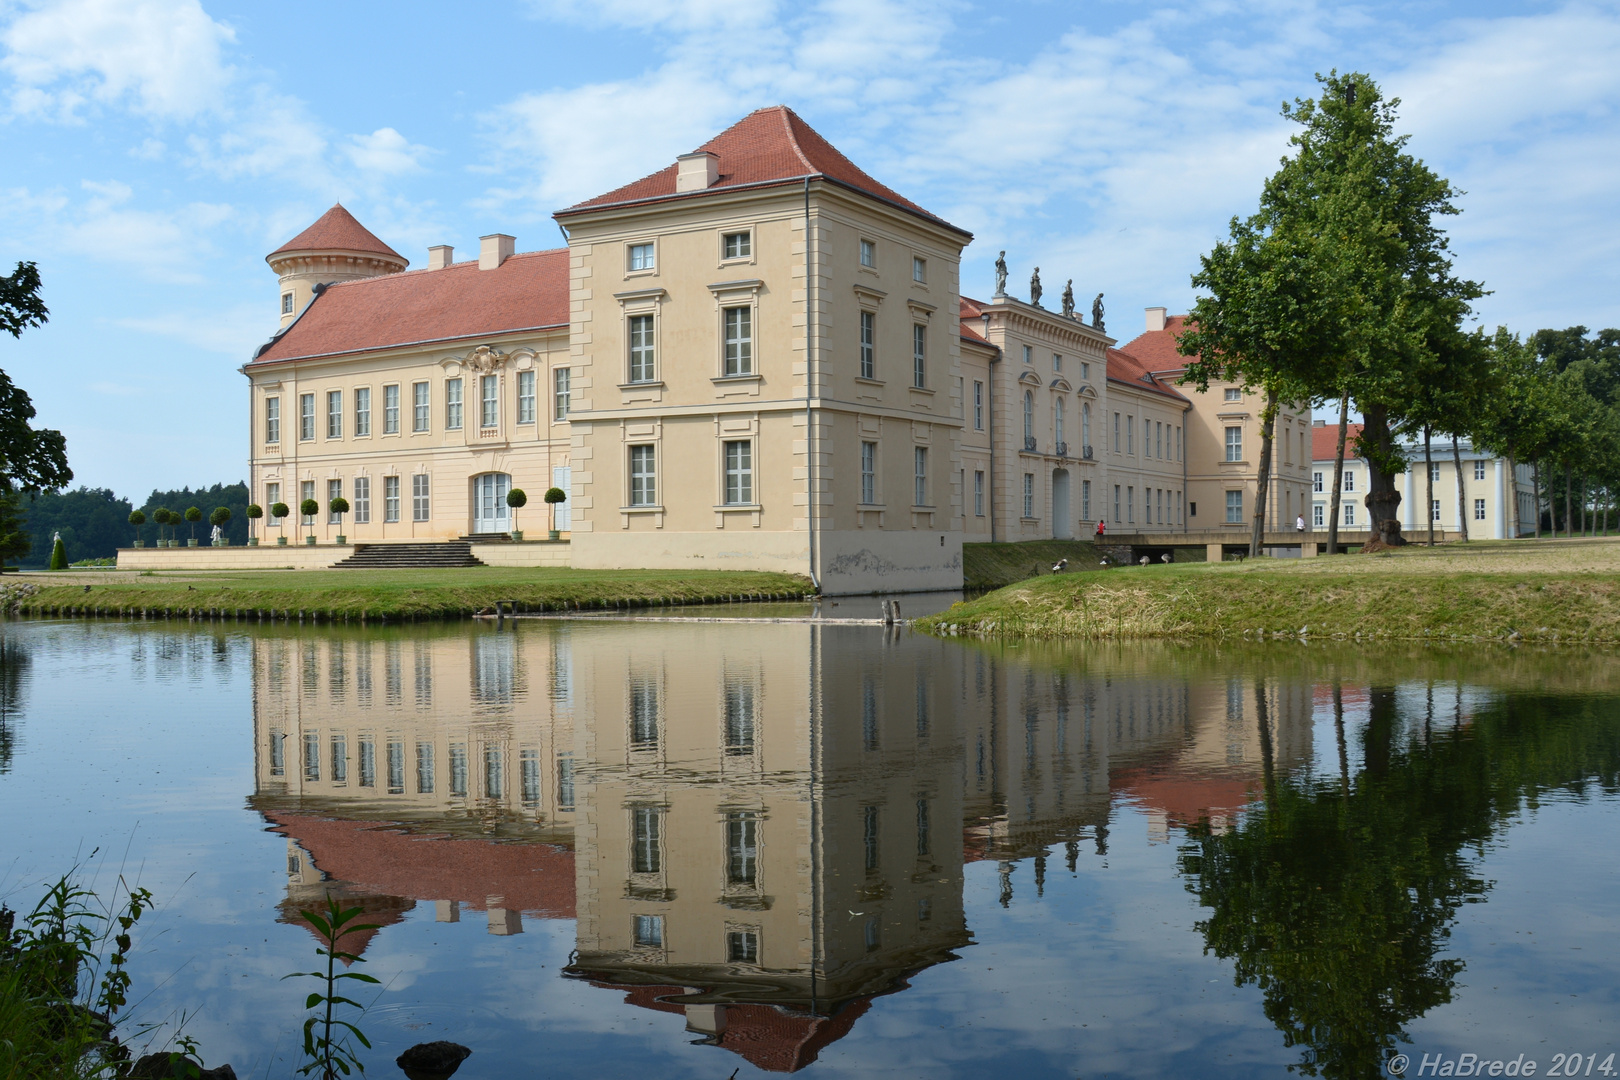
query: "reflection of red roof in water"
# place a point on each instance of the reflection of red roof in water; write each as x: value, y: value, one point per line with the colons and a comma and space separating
x: 1185, y: 798
x: 537, y: 879
x: 377, y: 911
x: 768, y: 1037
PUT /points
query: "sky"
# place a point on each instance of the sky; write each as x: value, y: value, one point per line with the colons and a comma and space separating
x: 152, y: 152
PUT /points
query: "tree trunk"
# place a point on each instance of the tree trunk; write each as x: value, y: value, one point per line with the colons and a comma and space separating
x: 1535, y: 484
x: 1383, y: 501
x: 1583, y: 505
x: 1462, y: 492
x: 1338, y: 477
x: 1569, y: 503
x: 1428, y: 481
x: 1268, y: 423
x: 1513, y: 497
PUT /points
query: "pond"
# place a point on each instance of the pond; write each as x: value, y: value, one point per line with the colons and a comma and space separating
x: 613, y: 848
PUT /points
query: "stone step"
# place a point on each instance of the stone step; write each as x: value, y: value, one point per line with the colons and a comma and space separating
x: 436, y: 554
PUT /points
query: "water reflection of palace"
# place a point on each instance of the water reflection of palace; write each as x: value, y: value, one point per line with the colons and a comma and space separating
x: 760, y: 828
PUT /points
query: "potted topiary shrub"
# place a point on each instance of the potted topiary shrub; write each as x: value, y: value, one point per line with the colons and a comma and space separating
x: 340, y: 506
x: 193, y: 515
x: 254, y: 513
x: 163, y: 516
x: 217, y: 518
x: 516, y: 500
x: 309, y: 508
x: 553, y: 497
x: 137, y: 519
x: 279, y: 511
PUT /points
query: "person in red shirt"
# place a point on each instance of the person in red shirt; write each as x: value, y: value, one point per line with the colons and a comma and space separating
x: 1102, y: 527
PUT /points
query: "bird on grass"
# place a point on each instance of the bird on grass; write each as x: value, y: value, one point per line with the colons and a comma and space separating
x: 1164, y: 558
x: 1057, y: 567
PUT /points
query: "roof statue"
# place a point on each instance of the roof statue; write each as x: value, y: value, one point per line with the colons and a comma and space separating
x: 1035, y: 287
x: 1001, y: 274
x: 1097, y: 313
x: 1068, y: 299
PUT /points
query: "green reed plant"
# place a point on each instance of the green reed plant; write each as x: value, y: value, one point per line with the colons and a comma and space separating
x: 329, y: 1056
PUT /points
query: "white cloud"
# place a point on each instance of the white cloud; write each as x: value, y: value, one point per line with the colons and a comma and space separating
x: 385, y: 152
x: 162, y: 57
x: 235, y: 332
x: 658, y: 14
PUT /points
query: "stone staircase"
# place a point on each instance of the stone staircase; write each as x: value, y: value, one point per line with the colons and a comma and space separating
x: 437, y: 554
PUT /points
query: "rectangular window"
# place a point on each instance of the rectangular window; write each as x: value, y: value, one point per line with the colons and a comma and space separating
x: 286, y: 303
x: 646, y: 852
x: 340, y: 759
x: 641, y: 257
x: 1319, y: 516
x: 1116, y: 502
x: 458, y: 769
x: 272, y: 419
x: 1349, y: 513
x: 419, y: 497
x: 1434, y: 470
x: 925, y: 842
x: 424, y: 768
x: 489, y: 401
x: 978, y: 493
x: 739, y: 341
x: 529, y: 769
x: 452, y: 404
x: 368, y: 762
x: 419, y: 398
x: 565, y: 783
x: 919, y: 269
x: 396, y: 767
x: 272, y: 495
x: 1479, y: 470
x: 1234, y: 507
x: 737, y: 245
x: 1316, y: 482
x: 391, y: 410
x: 1479, y: 509
x: 649, y: 929
x: 869, y: 254
x: 306, y: 417
x: 312, y: 756
x: 1130, y: 503
x: 390, y: 498
x: 525, y: 397
x: 1085, y: 371
x: 919, y: 355
x: 334, y: 414
x: 1116, y: 437
x: 494, y: 774
x: 1158, y: 440
x: 362, y: 500
x: 306, y: 493
x: 739, y: 472
x: 868, y: 473
x: 1178, y: 442
x: 362, y: 411
x: 742, y: 849
x: 978, y: 406
x: 742, y: 946
x: 641, y: 348
x: 919, y: 459
x: 869, y: 838
x: 868, y: 344
x: 739, y: 718
x: 1130, y: 435
x: 1085, y: 500
x: 1234, y: 444
x: 334, y: 490
x: 643, y: 477
x: 1057, y: 361
x: 561, y: 379
x: 1234, y: 394
x: 1434, y: 510
x: 1349, y: 480
x: 1029, y: 495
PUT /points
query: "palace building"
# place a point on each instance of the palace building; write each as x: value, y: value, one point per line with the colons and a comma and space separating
x: 758, y: 357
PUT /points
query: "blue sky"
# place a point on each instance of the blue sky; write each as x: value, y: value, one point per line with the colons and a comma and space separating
x: 155, y: 150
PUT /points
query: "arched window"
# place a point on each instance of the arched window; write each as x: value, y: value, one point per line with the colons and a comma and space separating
x: 1085, y: 423
x: 1029, y: 415
x: 1057, y: 420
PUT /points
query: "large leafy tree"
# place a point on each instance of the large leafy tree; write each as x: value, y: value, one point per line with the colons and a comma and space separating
x: 31, y: 459
x: 1341, y: 282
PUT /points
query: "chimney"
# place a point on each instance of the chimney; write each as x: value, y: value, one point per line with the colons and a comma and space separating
x: 1155, y: 318
x: 1319, y: 423
x: 441, y: 256
x: 695, y: 172
x: 494, y: 249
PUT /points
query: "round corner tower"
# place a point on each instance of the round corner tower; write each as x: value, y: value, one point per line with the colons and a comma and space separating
x: 335, y: 248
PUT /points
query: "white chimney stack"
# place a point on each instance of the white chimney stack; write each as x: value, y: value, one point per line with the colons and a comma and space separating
x: 1155, y: 318
x: 494, y: 249
x: 695, y: 172
x: 441, y: 256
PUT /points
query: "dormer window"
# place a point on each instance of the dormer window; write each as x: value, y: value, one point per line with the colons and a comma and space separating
x: 737, y: 245
x: 869, y: 254
x: 286, y: 303
x: 641, y: 257
x: 919, y: 269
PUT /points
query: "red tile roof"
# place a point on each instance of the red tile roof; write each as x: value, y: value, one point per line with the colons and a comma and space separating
x: 971, y: 313
x: 766, y: 147
x: 1128, y: 369
x: 460, y: 301
x: 1325, y: 441
x: 775, y: 1039
x: 1156, y: 349
x: 337, y: 230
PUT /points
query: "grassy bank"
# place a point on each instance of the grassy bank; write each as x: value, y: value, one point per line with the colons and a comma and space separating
x: 1555, y: 590
x: 377, y: 594
x: 991, y: 566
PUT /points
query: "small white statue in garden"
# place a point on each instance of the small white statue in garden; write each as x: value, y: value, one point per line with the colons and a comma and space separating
x: 218, y: 532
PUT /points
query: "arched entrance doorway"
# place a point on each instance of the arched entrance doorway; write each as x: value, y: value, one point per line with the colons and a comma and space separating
x: 490, y: 512
x: 1062, y: 524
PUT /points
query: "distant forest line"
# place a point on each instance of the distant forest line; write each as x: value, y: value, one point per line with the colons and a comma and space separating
x: 94, y: 522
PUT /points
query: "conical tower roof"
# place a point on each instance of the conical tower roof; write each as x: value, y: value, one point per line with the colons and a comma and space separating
x: 337, y: 230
